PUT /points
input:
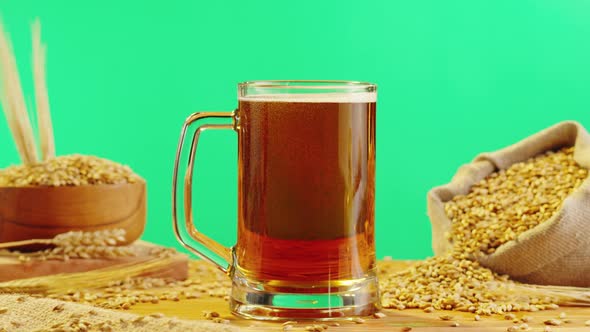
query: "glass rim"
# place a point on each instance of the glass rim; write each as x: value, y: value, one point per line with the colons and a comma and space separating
x: 338, y: 85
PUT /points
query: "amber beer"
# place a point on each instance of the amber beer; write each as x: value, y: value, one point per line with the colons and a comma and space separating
x: 307, y: 190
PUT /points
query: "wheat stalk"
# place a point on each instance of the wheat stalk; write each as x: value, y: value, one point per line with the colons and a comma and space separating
x: 106, y: 237
x: 41, y: 97
x: 59, y: 283
x: 23, y: 243
x: 13, y: 102
x: 566, y: 295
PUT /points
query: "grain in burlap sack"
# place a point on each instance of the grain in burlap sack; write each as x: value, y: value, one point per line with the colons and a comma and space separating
x: 557, y: 251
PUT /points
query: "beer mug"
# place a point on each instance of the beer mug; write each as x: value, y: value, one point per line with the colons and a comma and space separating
x: 306, y: 205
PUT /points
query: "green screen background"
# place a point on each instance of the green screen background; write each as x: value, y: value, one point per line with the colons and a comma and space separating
x: 455, y: 78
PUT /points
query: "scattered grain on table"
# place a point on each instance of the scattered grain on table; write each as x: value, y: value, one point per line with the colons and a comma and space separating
x: 453, y: 282
x: 123, y: 294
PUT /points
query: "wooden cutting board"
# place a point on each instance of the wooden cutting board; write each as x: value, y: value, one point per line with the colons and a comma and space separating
x: 11, y: 268
x: 395, y: 320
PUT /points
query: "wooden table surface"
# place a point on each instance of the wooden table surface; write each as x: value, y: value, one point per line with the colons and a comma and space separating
x: 396, y: 320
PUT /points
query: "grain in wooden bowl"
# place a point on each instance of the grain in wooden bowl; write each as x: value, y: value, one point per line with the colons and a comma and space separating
x: 70, y: 193
x: 67, y: 171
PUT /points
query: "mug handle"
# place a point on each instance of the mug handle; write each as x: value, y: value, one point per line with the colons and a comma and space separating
x: 206, y: 247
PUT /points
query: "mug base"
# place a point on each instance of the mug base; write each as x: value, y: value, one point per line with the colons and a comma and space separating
x: 258, y: 300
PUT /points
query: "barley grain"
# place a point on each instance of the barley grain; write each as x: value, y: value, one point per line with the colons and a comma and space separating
x: 358, y: 320
x: 514, y: 200
x: 210, y: 314
x: 71, y: 170
x: 552, y: 322
x: 220, y: 320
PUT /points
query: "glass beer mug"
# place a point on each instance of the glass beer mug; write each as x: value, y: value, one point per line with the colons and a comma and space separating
x: 306, y: 205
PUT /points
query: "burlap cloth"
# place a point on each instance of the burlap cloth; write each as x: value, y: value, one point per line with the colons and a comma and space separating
x: 556, y: 252
x: 38, y: 314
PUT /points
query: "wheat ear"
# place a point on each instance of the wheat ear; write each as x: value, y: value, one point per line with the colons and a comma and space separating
x: 41, y: 97
x: 13, y: 102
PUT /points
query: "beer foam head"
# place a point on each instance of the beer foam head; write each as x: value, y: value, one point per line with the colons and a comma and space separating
x: 334, y: 97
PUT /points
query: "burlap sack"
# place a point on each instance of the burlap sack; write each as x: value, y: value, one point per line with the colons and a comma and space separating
x: 556, y: 252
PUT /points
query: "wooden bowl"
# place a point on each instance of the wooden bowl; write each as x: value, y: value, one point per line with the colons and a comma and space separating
x: 43, y: 212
